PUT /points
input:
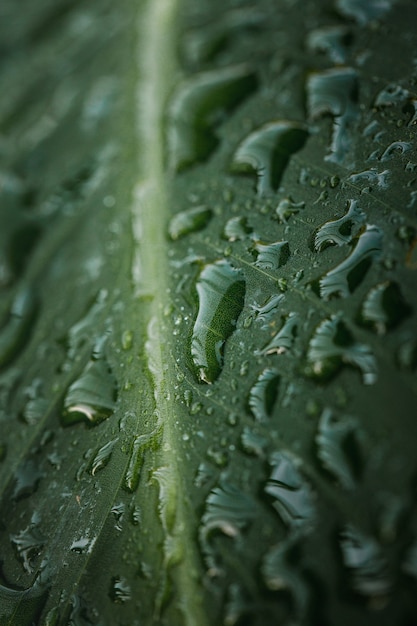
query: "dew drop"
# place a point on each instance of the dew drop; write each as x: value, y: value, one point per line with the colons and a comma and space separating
x: 391, y: 95
x: 267, y: 311
x: 394, y: 149
x: 371, y: 176
x: 292, y: 495
x: 341, y: 231
x: 284, y: 338
x: 384, y: 307
x: 345, y: 277
x: 102, y: 457
x: 286, y: 208
x: 92, y: 397
x: 189, y: 221
x: 228, y: 510
x: 333, y: 346
x: 127, y: 339
x: 263, y: 394
x: 271, y: 256
x: 338, y: 445
x: 221, y: 294
x: 253, y: 443
x: 198, y: 106
x: 335, y: 92
x: 363, y: 558
x: 265, y: 153
x: 27, y: 478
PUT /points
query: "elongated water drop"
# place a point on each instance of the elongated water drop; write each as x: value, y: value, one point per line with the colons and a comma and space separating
x: 263, y: 394
x: 283, y: 340
x: 92, y: 397
x: 102, y: 457
x: 198, y: 106
x: 141, y: 444
x: 28, y: 544
x: 334, y: 92
x: 265, y: 153
x: 345, y: 277
x: 221, y: 294
x: 189, y: 221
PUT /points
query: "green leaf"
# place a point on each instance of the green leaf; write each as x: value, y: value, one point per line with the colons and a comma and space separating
x: 208, y: 343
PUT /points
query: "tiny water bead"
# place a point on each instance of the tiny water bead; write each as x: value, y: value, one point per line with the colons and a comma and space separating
x: 265, y: 153
x: 198, y: 106
x: 221, y: 293
x: 92, y: 397
x: 334, y: 92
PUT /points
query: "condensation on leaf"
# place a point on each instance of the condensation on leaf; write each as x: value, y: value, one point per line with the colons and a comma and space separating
x: 341, y: 231
x: 283, y: 340
x: 263, y: 394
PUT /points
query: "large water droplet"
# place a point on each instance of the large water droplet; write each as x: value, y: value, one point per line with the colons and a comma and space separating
x: 372, y: 177
x: 338, y: 445
x: 189, y: 221
x: 120, y: 591
x: 265, y: 153
x: 263, y: 394
x: 345, y: 277
x: 384, y: 307
x: 102, y: 457
x: 28, y: 544
x: 236, y: 228
x: 341, y: 231
x: 92, y: 397
x: 292, y: 495
x: 335, y: 92
x: 391, y: 95
x: 141, y: 444
x: 267, y: 311
x: 221, y: 294
x: 27, y: 478
x: 198, y: 106
x: 333, y: 346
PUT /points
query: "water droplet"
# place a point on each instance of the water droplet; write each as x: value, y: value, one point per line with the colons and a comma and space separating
x: 253, y: 443
x: 189, y: 221
x: 236, y: 229
x: 267, y: 311
x: 102, y: 457
x: 263, y: 394
x: 82, y: 545
x: 221, y: 293
x: 292, y: 495
x: 391, y: 95
x: 394, y: 149
x: 265, y: 153
x: 364, y: 12
x: 287, y: 207
x: 363, y: 557
x: 140, y: 445
x: 198, y: 106
x: 271, y: 256
x: 338, y: 444
x: 331, y: 40
x: 333, y: 346
x: 92, y: 397
x: 16, y: 331
x: 335, y: 92
x: 341, y: 231
x: 86, y: 328
x: 407, y: 354
x: 27, y: 478
x: 283, y: 340
x: 384, y: 307
x: 120, y: 591
x: 127, y: 339
x: 118, y: 511
x: 345, y: 277
x: 371, y: 176
x: 28, y: 545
